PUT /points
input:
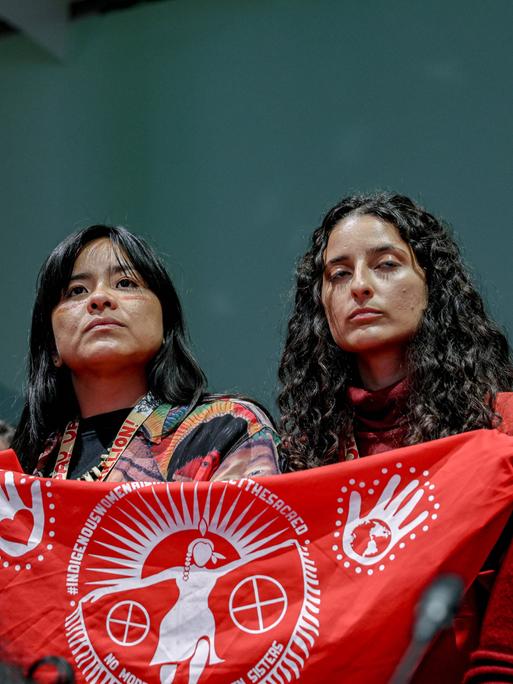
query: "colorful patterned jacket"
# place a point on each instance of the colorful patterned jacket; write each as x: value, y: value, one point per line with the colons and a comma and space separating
x: 221, y: 439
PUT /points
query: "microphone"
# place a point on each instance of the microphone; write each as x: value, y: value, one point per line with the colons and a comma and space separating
x: 435, y: 611
x: 62, y: 668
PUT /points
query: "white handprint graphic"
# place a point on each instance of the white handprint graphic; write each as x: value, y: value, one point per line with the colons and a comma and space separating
x: 383, y: 522
x: 10, y: 505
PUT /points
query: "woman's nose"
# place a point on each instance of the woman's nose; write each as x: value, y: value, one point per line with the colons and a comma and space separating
x: 101, y: 299
x: 361, y: 284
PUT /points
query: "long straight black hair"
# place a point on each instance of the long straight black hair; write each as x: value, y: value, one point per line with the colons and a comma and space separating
x: 173, y: 374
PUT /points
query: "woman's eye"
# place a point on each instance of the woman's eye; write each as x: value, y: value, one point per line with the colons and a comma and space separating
x: 75, y: 291
x: 340, y: 274
x: 126, y: 283
x: 387, y: 265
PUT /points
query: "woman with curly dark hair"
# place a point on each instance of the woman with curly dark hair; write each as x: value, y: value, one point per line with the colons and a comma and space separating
x: 389, y: 345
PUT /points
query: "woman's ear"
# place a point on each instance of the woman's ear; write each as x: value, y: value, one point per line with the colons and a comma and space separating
x: 56, y: 358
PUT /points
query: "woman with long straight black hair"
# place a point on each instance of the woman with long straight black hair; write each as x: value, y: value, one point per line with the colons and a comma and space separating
x: 113, y: 390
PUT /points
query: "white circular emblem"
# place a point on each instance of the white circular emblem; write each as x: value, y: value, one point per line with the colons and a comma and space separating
x: 377, y: 519
x: 257, y: 604
x: 176, y: 579
x: 128, y: 623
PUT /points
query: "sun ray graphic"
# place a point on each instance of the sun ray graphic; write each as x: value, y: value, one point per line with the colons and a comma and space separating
x: 151, y: 518
x: 138, y: 524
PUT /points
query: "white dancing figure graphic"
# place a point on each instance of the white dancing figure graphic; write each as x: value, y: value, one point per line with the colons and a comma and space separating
x: 187, y: 631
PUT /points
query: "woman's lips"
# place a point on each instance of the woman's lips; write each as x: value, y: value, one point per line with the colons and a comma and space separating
x: 103, y: 323
x: 364, y: 314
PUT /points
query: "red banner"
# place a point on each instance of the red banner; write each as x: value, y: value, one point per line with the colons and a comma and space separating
x: 311, y: 575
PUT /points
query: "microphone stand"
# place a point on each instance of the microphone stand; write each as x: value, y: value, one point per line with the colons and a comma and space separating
x: 435, y: 611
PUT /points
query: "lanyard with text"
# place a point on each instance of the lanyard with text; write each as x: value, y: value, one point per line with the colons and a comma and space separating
x: 145, y: 407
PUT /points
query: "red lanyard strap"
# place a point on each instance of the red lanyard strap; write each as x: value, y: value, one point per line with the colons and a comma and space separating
x: 137, y: 416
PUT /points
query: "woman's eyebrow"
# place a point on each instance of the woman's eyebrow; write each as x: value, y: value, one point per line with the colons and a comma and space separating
x: 337, y: 259
x: 121, y: 268
x: 378, y: 249
x: 113, y: 270
x: 80, y: 276
x: 388, y: 247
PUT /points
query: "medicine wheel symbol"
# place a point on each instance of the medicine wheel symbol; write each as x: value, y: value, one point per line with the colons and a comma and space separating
x: 254, y: 603
x: 128, y: 623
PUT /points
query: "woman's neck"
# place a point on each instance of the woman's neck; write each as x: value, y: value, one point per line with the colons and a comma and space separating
x: 381, y: 370
x: 102, y: 394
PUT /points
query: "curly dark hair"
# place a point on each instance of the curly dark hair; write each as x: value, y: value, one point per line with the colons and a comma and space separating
x: 456, y: 362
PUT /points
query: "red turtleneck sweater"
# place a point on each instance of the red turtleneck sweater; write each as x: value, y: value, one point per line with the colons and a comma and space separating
x: 379, y: 425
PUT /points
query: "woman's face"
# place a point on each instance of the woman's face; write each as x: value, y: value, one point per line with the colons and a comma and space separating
x: 107, y: 319
x: 373, y: 290
x: 201, y: 553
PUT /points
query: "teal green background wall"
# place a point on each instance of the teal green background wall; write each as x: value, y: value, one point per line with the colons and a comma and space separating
x: 223, y: 130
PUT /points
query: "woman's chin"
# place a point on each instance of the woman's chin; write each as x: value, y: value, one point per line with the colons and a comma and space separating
x: 110, y: 360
